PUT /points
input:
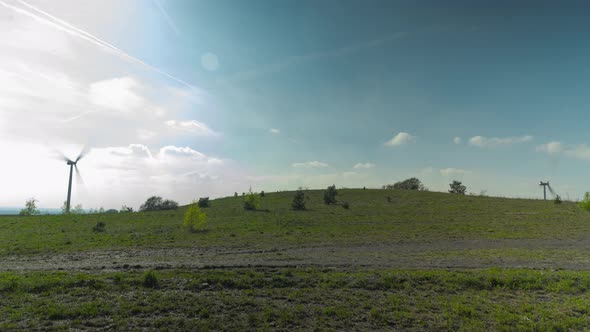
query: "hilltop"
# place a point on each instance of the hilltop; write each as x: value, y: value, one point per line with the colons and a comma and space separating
x: 383, y: 228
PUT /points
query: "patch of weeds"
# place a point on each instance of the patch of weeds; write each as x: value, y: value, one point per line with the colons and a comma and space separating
x: 150, y: 280
x: 99, y: 227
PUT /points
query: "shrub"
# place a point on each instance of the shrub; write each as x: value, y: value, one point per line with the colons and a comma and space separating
x: 262, y: 193
x: 30, y: 208
x: 204, y: 202
x: 457, y: 188
x: 194, y: 219
x: 251, y: 201
x: 585, y: 203
x: 557, y: 199
x: 236, y: 194
x: 111, y: 211
x: 346, y: 205
x: 298, y: 203
x: 330, y: 195
x: 150, y: 280
x: 407, y: 184
x: 99, y: 227
x: 389, y: 199
x: 156, y: 203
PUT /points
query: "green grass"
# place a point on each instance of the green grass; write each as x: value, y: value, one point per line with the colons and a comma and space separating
x: 298, y: 299
x: 411, y: 216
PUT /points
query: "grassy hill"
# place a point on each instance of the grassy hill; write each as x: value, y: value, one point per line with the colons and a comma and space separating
x: 413, y: 261
x: 410, y: 216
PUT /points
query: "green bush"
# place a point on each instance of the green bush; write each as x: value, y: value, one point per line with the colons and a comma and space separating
x: 330, y: 195
x: 585, y: 203
x: 30, y: 208
x: 346, y: 205
x: 194, y: 219
x: 557, y: 199
x: 457, y: 188
x: 204, y: 202
x: 156, y: 203
x: 407, y: 184
x: 150, y: 280
x: 99, y: 227
x: 251, y: 201
x: 298, y: 203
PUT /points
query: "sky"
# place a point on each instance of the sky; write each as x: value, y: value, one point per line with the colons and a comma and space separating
x: 188, y: 98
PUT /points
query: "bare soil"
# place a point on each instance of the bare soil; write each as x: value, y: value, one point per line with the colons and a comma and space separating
x: 502, y: 253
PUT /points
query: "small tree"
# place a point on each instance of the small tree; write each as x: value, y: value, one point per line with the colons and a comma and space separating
x: 235, y: 194
x: 346, y: 205
x: 169, y: 205
x: 330, y: 195
x: 151, y: 204
x: 585, y: 203
x: 194, y: 219
x: 457, y: 188
x: 262, y: 193
x: 298, y: 203
x: 251, y: 201
x: 557, y: 199
x: 204, y: 202
x: 30, y: 208
x: 407, y: 184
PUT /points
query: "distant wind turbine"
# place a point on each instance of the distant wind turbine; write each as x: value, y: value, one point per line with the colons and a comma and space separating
x: 73, y: 165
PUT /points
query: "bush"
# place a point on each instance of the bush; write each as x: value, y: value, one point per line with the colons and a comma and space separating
x: 236, y: 194
x: 262, y: 193
x: 30, y: 208
x: 407, y: 184
x: 298, y: 203
x: 330, y: 195
x: 194, y: 219
x: 389, y: 199
x: 111, y: 211
x: 204, y: 202
x: 99, y: 227
x: 557, y: 199
x: 150, y: 280
x: 457, y: 188
x: 346, y: 205
x: 251, y: 202
x: 585, y: 203
x: 156, y: 203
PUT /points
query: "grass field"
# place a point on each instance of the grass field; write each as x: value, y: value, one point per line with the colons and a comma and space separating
x: 415, y: 261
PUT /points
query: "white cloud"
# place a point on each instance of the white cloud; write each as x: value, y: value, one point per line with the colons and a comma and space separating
x: 453, y: 171
x: 581, y: 151
x: 191, y: 126
x: 551, y: 148
x: 274, y: 131
x: 400, y: 139
x: 363, y: 166
x: 485, y: 142
x: 457, y: 140
x: 118, y: 94
x: 310, y: 164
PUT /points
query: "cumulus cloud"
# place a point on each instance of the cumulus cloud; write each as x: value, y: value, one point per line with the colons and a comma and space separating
x: 274, y: 131
x: 551, y: 148
x: 581, y: 151
x: 193, y: 127
x: 457, y: 140
x: 118, y: 94
x: 400, y: 139
x: 310, y: 164
x: 491, y: 142
x: 363, y: 166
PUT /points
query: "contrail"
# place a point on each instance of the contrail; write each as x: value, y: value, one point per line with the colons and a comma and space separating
x: 166, y: 16
x: 46, y: 18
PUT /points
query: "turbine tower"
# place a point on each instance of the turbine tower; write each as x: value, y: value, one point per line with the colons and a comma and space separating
x: 73, y: 165
x: 546, y: 186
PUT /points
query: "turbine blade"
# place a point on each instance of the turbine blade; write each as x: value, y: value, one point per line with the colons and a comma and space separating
x: 551, y: 190
x: 82, y: 153
x: 79, y: 176
x: 61, y: 156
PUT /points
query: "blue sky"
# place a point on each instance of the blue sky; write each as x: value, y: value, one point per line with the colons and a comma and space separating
x: 280, y: 94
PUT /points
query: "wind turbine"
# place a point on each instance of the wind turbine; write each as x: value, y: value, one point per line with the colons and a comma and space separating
x: 73, y: 165
x: 546, y: 186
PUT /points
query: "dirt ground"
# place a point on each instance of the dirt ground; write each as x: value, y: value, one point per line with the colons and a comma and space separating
x: 552, y: 254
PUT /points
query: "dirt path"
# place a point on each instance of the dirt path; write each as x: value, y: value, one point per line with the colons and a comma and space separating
x: 566, y: 254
